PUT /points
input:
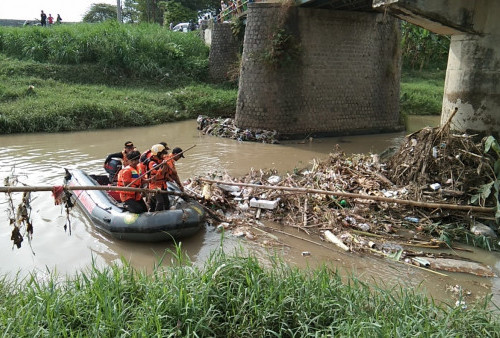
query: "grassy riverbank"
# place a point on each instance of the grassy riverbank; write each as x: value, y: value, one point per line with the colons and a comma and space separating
x: 422, y: 92
x: 37, y: 97
x: 77, y: 77
x: 230, y: 296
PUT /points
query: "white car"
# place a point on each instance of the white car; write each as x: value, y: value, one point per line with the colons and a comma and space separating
x: 181, y: 27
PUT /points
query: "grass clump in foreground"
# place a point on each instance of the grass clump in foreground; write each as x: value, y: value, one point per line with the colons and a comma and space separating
x: 230, y: 296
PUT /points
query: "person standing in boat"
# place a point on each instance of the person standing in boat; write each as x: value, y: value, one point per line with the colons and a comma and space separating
x: 111, y: 168
x: 146, y: 156
x: 170, y: 160
x: 158, y: 178
x: 131, y: 176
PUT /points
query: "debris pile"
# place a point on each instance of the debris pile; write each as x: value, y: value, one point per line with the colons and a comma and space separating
x: 439, y: 166
x: 224, y: 127
x: 419, y: 198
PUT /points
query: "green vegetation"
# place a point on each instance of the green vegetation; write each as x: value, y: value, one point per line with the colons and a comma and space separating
x: 103, y: 76
x: 422, y: 92
x: 423, y: 49
x: 88, y: 76
x: 424, y: 56
x: 144, y: 51
x: 229, y: 297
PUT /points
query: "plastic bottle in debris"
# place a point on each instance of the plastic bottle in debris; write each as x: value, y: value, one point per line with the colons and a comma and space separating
x: 412, y: 219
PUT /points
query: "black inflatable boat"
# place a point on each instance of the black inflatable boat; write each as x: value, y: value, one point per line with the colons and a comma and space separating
x: 184, y: 219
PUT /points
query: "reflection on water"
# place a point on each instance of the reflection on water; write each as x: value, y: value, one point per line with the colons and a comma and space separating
x: 40, y: 159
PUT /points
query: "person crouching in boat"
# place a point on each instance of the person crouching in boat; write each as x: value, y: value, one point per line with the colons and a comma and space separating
x: 158, y: 177
x: 131, y: 176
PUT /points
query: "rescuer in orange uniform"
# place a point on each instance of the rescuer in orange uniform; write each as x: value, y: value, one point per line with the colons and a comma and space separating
x: 172, y: 172
x: 131, y: 176
x: 158, y: 177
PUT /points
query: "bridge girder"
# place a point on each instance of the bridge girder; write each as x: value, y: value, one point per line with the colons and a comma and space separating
x: 345, y: 5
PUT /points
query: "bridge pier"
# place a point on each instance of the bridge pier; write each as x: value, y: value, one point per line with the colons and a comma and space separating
x: 224, y: 52
x: 341, y: 77
x: 473, y: 84
x: 473, y: 74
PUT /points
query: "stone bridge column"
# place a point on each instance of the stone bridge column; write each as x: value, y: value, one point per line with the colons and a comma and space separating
x: 343, y: 77
x: 224, y: 51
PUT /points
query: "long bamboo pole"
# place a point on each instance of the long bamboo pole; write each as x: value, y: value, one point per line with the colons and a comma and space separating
x: 428, y: 205
x: 90, y: 187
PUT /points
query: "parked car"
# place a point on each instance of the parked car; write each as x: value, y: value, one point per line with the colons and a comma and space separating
x: 181, y: 27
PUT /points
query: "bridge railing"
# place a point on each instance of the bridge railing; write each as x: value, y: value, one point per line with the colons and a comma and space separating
x: 234, y: 11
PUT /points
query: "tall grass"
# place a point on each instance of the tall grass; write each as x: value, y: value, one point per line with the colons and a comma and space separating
x: 422, y: 92
x: 144, y: 50
x: 37, y: 97
x: 229, y: 297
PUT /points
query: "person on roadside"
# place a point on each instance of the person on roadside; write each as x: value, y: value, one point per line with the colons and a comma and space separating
x: 59, y: 19
x: 112, y: 163
x: 43, y: 19
x: 131, y: 176
x: 50, y: 19
x: 158, y: 177
x: 170, y: 160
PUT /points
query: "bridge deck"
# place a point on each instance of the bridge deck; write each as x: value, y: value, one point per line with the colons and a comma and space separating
x: 239, y: 7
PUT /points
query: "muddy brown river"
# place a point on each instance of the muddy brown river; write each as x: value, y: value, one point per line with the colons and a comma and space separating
x: 40, y: 159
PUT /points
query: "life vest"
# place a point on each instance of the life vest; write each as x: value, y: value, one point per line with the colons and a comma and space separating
x: 144, y: 160
x: 158, y: 177
x: 171, y: 171
x: 145, y: 157
x: 127, y: 176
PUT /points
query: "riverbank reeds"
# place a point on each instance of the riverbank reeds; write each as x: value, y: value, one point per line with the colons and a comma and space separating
x: 145, y: 50
x: 37, y: 97
x: 231, y: 296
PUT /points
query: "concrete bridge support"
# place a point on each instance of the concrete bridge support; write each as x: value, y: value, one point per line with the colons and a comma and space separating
x: 473, y: 74
x: 473, y: 84
x: 343, y: 76
x: 224, y: 51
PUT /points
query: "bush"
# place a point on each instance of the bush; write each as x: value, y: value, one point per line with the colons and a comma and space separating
x: 146, y: 50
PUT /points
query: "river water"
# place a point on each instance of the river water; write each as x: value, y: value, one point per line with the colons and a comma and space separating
x: 40, y: 159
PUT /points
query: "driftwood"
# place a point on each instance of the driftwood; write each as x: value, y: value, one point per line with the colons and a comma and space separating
x: 455, y: 265
x: 360, y: 196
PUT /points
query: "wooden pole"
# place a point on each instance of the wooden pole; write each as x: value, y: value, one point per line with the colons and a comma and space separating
x: 91, y: 187
x: 428, y: 205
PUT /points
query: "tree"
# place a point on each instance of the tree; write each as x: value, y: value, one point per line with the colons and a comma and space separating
x: 130, y: 13
x: 175, y: 13
x: 180, y: 10
x: 100, y: 12
x: 151, y: 10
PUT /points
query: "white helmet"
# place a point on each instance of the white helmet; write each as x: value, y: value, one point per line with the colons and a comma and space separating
x: 157, y: 148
